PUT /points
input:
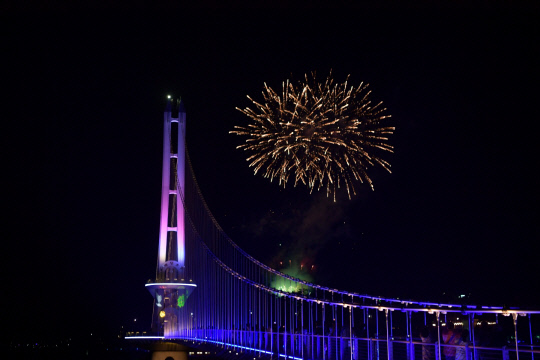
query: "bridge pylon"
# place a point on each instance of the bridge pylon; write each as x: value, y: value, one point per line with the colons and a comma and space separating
x: 171, y: 289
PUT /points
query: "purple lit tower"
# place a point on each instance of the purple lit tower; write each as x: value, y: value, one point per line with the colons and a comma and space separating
x: 171, y: 290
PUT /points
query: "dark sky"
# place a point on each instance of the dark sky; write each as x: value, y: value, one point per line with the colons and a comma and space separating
x: 82, y: 151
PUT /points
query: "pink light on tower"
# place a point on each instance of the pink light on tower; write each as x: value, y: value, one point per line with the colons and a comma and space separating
x: 176, y: 225
x: 170, y: 290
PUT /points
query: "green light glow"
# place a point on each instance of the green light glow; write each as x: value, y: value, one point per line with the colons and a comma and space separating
x: 296, y: 271
x: 181, y: 301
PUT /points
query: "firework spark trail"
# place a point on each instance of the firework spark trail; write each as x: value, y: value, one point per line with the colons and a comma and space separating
x: 324, y: 134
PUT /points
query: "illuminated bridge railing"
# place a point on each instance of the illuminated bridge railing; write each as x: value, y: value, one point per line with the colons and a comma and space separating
x: 246, y: 306
x: 351, y: 345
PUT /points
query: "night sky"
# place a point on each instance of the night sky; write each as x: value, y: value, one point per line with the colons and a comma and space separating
x: 82, y: 141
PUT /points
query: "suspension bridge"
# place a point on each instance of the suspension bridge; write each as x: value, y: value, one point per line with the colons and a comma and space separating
x: 209, y: 293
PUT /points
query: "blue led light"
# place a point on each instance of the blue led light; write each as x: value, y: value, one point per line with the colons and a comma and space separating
x: 290, y: 357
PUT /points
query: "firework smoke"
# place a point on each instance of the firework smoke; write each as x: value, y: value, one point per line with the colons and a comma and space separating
x: 324, y: 134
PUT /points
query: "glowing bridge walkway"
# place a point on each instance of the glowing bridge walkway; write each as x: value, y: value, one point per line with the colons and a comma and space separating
x: 208, y: 291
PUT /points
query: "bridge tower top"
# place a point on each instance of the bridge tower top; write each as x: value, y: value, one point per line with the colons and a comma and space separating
x: 171, y: 252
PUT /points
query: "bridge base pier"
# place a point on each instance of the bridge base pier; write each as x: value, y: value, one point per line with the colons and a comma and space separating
x: 169, y: 355
x: 170, y: 351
